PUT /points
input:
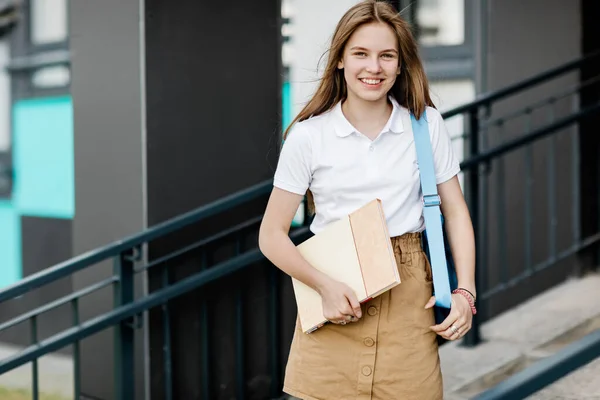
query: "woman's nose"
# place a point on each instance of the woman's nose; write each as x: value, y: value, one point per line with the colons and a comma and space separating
x: 374, y: 65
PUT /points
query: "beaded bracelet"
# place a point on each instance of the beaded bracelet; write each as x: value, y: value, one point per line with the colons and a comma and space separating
x: 472, y: 295
x: 467, y: 295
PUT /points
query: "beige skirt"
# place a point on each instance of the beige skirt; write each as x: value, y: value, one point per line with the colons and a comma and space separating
x: 389, y: 354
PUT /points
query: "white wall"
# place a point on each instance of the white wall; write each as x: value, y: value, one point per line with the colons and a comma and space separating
x: 312, y: 26
x: 4, y: 97
x: 447, y: 95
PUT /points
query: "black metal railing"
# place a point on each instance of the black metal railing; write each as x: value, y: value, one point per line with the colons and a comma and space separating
x: 127, y: 260
x: 126, y: 254
x: 500, y: 133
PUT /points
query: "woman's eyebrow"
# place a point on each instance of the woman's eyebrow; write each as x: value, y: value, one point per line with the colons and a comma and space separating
x: 383, y: 51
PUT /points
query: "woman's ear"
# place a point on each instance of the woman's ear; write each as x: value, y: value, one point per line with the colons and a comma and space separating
x: 340, y: 64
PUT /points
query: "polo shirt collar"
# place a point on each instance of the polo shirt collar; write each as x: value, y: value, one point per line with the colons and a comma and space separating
x: 344, y: 128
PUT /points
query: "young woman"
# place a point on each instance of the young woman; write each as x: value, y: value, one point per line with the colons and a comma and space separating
x: 352, y: 143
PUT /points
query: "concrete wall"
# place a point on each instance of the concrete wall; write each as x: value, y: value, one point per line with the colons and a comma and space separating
x: 107, y: 85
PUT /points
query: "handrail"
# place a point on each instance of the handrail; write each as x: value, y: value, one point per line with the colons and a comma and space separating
x: 91, y: 257
x: 59, y: 302
x: 526, y: 139
x: 135, y: 307
x: 489, y: 97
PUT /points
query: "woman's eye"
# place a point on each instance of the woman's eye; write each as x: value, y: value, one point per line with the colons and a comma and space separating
x: 389, y: 56
x: 360, y: 54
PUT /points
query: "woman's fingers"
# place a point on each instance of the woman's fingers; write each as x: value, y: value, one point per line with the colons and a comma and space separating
x: 464, y: 331
x: 452, y: 328
x: 344, y: 316
x: 354, y: 304
x: 452, y: 333
x: 430, y: 303
x: 445, y: 325
x: 455, y: 331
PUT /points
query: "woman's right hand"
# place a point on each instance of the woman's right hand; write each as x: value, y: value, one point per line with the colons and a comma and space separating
x: 340, y: 304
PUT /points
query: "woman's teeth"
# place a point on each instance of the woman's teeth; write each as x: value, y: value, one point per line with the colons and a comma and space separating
x: 371, y: 81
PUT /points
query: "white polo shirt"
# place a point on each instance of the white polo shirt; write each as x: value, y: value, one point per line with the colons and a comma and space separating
x: 345, y: 170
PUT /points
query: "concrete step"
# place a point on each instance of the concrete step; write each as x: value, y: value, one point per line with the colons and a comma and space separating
x: 526, y: 334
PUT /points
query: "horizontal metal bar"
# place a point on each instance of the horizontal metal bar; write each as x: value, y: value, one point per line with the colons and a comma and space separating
x: 200, y: 243
x: 526, y: 139
x: 91, y: 257
x: 39, y: 60
x: 549, y: 100
x: 546, y: 371
x: 57, y: 303
x: 462, y: 136
x: 542, y: 266
x: 490, y: 97
x: 121, y: 313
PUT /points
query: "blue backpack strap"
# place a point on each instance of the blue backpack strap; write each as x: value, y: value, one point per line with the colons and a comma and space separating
x: 432, y: 212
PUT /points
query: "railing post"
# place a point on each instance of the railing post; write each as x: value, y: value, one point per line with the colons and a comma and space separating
x: 124, y: 332
x: 473, y: 337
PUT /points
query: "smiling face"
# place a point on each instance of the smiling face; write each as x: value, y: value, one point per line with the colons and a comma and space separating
x: 370, y: 62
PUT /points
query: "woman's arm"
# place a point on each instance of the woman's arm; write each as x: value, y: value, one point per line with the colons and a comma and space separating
x: 462, y: 243
x: 275, y: 244
x: 339, y: 300
x: 460, y: 232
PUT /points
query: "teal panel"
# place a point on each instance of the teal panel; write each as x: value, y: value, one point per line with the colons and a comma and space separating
x: 43, y: 157
x: 286, y: 120
x: 286, y: 105
x: 10, y: 245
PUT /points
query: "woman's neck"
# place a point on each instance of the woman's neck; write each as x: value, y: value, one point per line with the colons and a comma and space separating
x: 367, y: 117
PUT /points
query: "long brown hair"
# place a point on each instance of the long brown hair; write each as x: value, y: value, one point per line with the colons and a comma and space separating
x: 411, y: 88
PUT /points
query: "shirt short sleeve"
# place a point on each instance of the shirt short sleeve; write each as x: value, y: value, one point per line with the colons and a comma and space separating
x: 294, y: 170
x: 445, y: 161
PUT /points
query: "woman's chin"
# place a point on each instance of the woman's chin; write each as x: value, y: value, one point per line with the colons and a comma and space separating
x: 372, y: 97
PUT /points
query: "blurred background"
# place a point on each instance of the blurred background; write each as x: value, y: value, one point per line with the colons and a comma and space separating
x: 138, y: 140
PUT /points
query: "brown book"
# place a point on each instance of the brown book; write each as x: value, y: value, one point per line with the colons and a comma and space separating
x: 356, y: 250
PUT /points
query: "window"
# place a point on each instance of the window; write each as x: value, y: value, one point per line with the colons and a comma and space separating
x: 441, y: 22
x: 443, y: 29
x: 48, y: 21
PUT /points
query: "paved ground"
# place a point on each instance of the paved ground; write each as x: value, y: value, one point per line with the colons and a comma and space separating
x: 513, y: 340
x: 524, y: 334
x: 581, y: 384
x: 55, y: 371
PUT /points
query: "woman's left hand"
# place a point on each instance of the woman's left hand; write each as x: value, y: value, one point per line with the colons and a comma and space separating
x: 458, y: 322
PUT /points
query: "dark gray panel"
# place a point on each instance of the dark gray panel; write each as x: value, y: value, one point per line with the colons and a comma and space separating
x: 45, y: 242
x: 213, y: 100
x: 213, y: 105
